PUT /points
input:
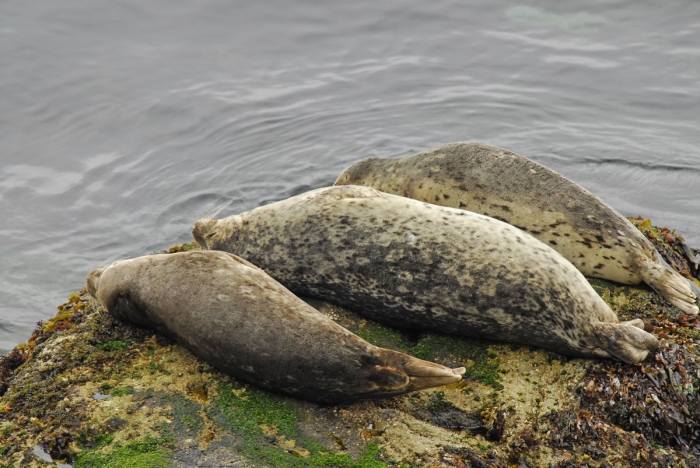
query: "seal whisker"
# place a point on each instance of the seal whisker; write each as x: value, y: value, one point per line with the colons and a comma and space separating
x: 113, y: 258
x: 214, y: 212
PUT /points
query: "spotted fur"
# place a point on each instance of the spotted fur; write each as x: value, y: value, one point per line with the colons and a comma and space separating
x: 495, y: 182
x: 416, y: 265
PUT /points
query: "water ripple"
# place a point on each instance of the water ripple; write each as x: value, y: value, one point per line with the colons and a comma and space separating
x: 569, y: 43
x: 639, y: 164
x: 123, y: 123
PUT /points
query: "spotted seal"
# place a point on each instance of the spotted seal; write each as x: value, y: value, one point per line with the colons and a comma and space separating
x: 416, y: 265
x: 234, y: 316
x: 495, y: 182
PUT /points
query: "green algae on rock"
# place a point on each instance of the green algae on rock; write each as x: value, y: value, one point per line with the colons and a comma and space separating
x: 517, y: 407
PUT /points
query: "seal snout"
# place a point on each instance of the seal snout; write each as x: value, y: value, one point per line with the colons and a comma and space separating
x: 202, y: 231
x: 93, y: 279
x: 356, y: 172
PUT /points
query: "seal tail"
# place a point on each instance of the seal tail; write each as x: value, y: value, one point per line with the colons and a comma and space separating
x: 626, y: 341
x: 401, y: 373
x: 694, y: 287
x: 427, y: 375
x: 669, y: 284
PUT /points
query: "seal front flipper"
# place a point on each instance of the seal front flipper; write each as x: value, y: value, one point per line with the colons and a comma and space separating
x: 670, y: 285
x: 693, y: 287
x: 398, y: 373
x: 625, y: 341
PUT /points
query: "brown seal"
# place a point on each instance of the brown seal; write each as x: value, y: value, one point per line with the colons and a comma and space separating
x: 234, y: 316
x: 416, y: 265
x: 495, y: 182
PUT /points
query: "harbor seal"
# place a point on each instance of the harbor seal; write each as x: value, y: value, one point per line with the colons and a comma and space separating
x: 416, y: 265
x: 233, y: 315
x: 495, y: 182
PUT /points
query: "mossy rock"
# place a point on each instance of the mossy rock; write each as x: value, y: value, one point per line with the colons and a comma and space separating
x: 91, y: 391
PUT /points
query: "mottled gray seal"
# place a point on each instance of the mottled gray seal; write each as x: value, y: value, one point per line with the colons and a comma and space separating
x: 416, y: 265
x: 495, y: 182
x: 234, y: 316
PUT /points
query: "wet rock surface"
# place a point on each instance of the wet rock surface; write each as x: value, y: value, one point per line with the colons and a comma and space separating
x: 90, y: 391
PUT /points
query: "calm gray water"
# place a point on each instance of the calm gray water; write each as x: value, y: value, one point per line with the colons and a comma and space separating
x: 123, y: 121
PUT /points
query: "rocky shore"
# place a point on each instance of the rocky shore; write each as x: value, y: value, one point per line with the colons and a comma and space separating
x: 89, y: 391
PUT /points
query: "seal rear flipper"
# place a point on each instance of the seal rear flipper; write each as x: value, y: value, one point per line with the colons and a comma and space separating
x: 430, y: 377
x: 624, y: 341
x: 693, y: 287
x: 670, y: 285
x: 402, y: 373
x: 639, y: 323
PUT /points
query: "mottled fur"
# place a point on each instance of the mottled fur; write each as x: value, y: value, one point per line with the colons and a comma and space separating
x: 416, y: 265
x: 234, y: 316
x: 495, y: 182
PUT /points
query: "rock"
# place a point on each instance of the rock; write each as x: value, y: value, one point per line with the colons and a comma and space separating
x: 516, y: 406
